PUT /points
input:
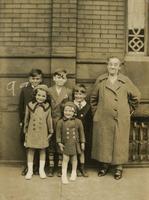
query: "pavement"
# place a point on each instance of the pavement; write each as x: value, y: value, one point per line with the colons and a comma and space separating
x: 133, y: 186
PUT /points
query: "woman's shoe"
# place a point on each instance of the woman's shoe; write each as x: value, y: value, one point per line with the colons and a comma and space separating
x: 118, y: 174
x: 103, y: 172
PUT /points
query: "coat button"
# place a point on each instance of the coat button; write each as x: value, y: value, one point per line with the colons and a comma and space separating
x: 67, y: 137
x: 73, y: 133
x: 67, y: 133
x: 74, y: 137
x: 67, y: 129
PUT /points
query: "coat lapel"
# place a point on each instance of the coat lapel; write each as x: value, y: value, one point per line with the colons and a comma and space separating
x: 54, y: 93
x: 115, y: 86
x: 58, y: 98
x: 63, y: 95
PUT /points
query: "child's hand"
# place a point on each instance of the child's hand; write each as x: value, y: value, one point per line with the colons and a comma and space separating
x: 61, y: 146
x: 25, y: 144
x: 82, y: 146
x: 21, y: 124
x: 49, y: 136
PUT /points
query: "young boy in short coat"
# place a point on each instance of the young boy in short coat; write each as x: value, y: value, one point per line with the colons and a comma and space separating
x: 59, y: 95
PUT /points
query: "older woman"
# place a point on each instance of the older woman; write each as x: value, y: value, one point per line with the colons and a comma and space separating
x: 113, y: 99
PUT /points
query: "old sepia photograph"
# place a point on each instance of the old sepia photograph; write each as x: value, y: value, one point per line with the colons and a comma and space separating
x: 74, y: 99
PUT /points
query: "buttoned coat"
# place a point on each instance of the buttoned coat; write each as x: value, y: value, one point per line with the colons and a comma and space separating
x: 84, y: 114
x: 37, y: 125
x: 70, y: 133
x: 57, y: 102
x: 111, y: 105
x: 26, y: 96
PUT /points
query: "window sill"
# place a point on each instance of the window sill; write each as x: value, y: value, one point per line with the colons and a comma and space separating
x: 136, y: 58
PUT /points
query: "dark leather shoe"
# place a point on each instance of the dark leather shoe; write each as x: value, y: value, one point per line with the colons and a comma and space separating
x: 84, y: 173
x: 79, y: 174
x: 59, y: 172
x: 118, y: 174
x: 102, y: 172
x: 50, y: 172
x: 24, y: 171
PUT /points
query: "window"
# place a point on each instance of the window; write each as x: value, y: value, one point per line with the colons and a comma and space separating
x: 137, y: 37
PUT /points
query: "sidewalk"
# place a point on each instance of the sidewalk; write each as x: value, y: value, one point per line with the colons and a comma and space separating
x: 133, y: 186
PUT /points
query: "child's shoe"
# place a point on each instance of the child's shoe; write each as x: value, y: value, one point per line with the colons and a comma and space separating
x: 83, y: 171
x: 24, y: 171
x: 28, y: 176
x: 42, y: 174
x: 59, y: 172
x: 64, y: 180
x: 50, y: 172
x: 73, y: 176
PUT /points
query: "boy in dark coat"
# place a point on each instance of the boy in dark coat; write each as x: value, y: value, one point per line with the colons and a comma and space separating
x: 34, y: 79
x: 84, y: 114
x: 59, y: 95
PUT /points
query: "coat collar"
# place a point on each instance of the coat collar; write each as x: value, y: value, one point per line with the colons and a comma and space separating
x: 81, y: 105
x: 32, y: 106
x: 120, y: 78
x: 66, y: 119
x: 58, y: 97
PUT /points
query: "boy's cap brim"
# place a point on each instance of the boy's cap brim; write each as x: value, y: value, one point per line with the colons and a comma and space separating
x: 60, y: 71
x: 71, y: 104
x: 42, y: 87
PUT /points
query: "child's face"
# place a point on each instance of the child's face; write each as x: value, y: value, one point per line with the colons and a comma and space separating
x: 60, y: 80
x: 79, y: 96
x: 36, y: 80
x: 113, y: 66
x: 69, y: 112
x: 41, y: 96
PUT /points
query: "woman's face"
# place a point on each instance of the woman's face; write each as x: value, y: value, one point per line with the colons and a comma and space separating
x: 41, y: 96
x: 68, y: 112
x: 113, y: 66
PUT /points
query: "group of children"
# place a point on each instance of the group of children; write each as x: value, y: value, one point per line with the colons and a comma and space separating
x: 55, y: 127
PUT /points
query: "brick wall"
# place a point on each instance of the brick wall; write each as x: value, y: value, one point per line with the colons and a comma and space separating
x: 25, y: 26
x: 64, y: 27
x: 101, y: 29
x: 31, y: 28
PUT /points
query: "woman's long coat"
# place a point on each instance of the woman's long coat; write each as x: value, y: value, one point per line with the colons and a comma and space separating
x: 111, y: 105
